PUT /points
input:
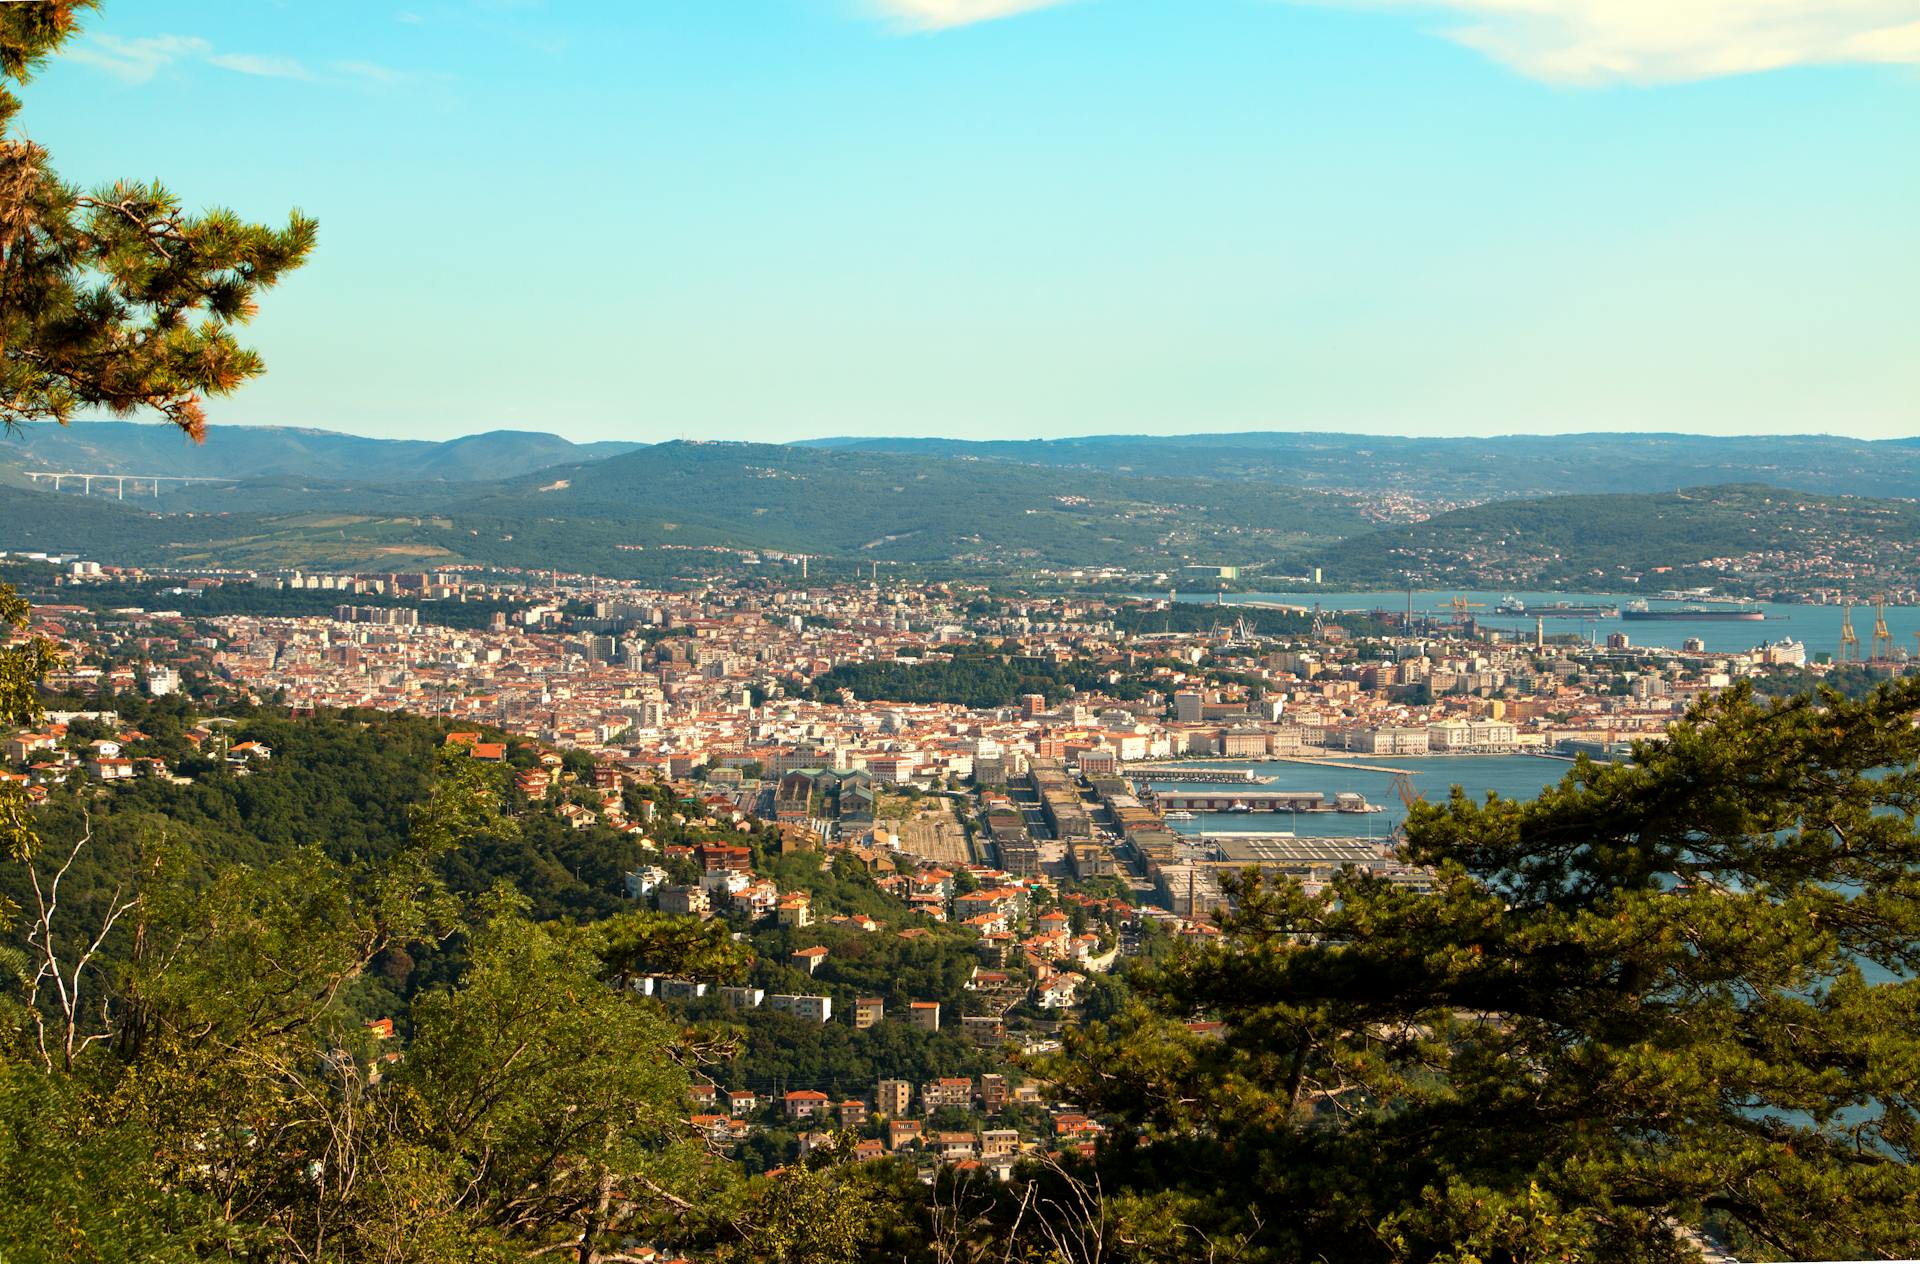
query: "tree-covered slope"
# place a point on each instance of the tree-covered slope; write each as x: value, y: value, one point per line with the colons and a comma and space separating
x: 1589, y: 539
x: 1461, y: 470
x: 681, y: 506
x: 914, y: 508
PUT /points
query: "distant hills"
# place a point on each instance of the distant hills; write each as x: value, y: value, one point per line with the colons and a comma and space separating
x: 1467, y: 470
x: 251, y: 452
x: 1727, y: 535
x: 1353, y: 507
x: 679, y: 507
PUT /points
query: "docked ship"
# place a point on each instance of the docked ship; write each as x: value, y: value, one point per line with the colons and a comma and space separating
x: 1558, y: 610
x: 1178, y: 815
x: 1676, y: 614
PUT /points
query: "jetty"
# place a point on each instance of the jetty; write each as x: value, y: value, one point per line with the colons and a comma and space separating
x: 1259, y: 801
x: 1194, y: 776
x: 1341, y: 763
x: 1241, y: 801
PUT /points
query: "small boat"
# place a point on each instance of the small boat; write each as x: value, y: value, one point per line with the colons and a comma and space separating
x: 1179, y: 815
x: 1239, y: 805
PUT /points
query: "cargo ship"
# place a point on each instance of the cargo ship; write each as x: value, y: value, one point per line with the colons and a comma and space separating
x: 1558, y: 610
x: 1677, y: 614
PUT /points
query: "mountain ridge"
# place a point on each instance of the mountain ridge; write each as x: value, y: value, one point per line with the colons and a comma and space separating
x: 231, y: 451
x: 1455, y: 470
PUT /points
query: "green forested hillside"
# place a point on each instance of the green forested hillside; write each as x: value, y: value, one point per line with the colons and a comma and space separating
x: 1500, y: 467
x: 1575, y: 540
x: 663, y: 510
x: 689, y: 509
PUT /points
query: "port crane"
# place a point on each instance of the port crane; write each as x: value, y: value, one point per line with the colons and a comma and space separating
x: 1849, y: 640
x: 1882, y: 638
x: 1460, y: 606
x: 1403, y: 787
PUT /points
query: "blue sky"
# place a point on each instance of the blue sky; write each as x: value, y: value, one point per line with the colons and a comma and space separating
x: 776, y: 219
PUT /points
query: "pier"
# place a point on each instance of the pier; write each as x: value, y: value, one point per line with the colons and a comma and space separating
x: 1242, y: 801
x: 1341, y: 763
x: 1194, y: 776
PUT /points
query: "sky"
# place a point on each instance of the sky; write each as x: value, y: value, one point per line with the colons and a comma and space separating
x: 786, y: 219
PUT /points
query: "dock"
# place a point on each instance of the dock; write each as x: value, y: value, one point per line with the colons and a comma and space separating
x: 1342, y: 763
x: 1194, y: 776
x: 1242, y: 801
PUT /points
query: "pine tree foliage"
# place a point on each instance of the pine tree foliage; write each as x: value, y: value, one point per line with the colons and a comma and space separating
x: 1667, y: 995
x: 117, y: 298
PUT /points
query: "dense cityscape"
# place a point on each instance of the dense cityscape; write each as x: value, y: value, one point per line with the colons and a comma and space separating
x: 777, y: 702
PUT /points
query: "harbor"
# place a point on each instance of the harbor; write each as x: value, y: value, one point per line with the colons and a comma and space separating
x: 1516, y: 776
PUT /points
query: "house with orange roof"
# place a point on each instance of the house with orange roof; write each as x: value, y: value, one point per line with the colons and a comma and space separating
x: 805, y: 1103
x: 796, y: 910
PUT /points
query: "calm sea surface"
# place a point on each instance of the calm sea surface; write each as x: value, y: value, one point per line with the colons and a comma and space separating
x: 1816, y: 627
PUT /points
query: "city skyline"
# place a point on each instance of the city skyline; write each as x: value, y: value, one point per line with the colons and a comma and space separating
x: 1009, y: 218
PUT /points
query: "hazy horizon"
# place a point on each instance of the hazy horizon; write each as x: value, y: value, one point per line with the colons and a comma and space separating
x: 563, y: 433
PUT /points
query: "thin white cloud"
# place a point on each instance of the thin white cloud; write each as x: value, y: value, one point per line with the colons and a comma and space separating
x: 263, y: 65
x: 936, y: 15
x: 1597, y: 41
x: 1664, y: 41
x: 136, y: 60
x: 372, y: 72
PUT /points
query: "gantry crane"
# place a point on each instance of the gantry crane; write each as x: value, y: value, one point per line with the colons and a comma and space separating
x: 1849, y: 642
x: 1882, y: 638
x: 1403, y: 787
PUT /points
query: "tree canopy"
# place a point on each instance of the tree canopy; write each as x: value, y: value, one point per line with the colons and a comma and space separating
x: 1665, y: 995
x: 117, y: 298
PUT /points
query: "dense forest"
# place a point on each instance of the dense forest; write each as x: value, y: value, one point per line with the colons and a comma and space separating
x: 979, y: 679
